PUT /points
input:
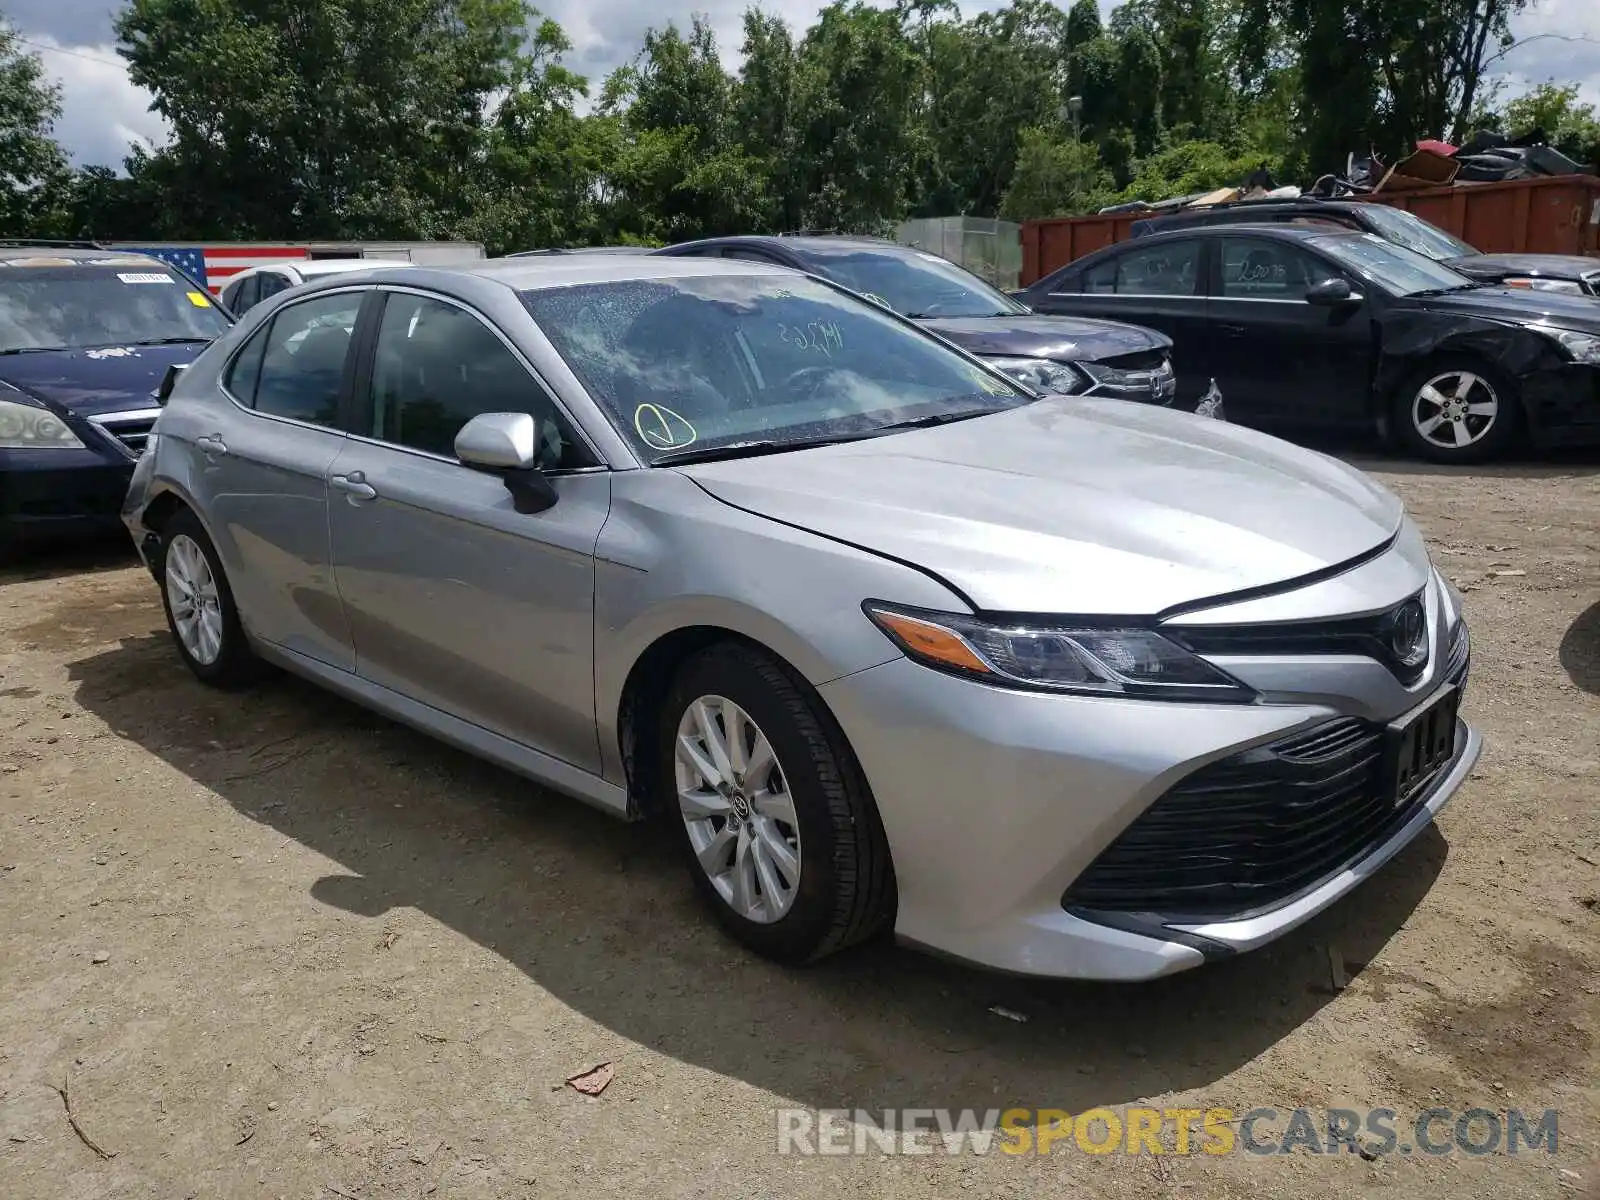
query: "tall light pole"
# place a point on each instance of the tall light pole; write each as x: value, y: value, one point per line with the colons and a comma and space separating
x: 1073, y: 110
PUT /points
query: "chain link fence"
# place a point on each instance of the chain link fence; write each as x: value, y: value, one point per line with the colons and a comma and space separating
x: 990, y: 249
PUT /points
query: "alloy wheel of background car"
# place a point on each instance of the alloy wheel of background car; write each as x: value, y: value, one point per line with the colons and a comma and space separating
x: 1458, y: 411
x: 737, y: 809
x: 774, y: 817
x: 199, y: 605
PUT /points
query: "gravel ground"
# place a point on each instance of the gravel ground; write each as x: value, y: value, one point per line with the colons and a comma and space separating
x: 272, y: 945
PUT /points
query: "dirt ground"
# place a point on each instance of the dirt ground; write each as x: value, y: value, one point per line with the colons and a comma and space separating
x: 275, y: 946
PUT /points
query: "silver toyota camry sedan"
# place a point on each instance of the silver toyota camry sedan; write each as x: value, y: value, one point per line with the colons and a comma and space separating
x: 1058, y: 686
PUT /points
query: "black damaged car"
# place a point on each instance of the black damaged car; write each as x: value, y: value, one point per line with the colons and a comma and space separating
x: 1051, y: 354
x: 86, y: 336
x: 1309, y: 328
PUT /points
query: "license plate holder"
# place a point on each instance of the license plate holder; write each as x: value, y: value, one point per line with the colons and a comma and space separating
x: 1419, y: 743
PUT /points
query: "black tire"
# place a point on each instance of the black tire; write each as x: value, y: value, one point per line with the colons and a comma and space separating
x: 235, y: 665
x: 1488, y: 443
x: 846, y: 889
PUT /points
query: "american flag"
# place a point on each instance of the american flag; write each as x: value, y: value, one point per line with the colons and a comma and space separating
x: 214, y: 265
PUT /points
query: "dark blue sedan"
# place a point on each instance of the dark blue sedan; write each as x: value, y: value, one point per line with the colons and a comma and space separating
x: 1050, y: 353
x: 85, y: 338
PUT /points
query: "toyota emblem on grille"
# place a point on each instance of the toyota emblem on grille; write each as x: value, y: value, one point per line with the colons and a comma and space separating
x: 1408, y: 634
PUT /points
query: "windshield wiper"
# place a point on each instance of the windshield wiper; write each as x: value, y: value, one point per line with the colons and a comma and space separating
x: 187, y: 340
x: 33, y: 349
x: 1445, y: 291
x: 932, y: 419
x: 753, y: 449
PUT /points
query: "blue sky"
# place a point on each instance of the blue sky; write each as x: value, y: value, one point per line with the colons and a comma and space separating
x: 104, y: 112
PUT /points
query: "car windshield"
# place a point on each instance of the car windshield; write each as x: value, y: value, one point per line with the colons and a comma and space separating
x: 79, y: 306
x: 912, y: 282
x: 1412, y: 232
x: 719, y: 365
x: 1401, y: 271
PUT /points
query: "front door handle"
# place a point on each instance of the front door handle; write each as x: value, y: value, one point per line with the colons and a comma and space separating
x: 355, y: 485
x: 1233, y: 330
x: 211, y: 444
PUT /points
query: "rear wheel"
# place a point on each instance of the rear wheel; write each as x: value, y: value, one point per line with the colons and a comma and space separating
x: 1458, y: 411
x: 781, y: 836
x: 199, y: 605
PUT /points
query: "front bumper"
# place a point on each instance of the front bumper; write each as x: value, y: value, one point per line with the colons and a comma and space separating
x: 996, y: 802
x: 45, y: 494
x: 1563, y: 405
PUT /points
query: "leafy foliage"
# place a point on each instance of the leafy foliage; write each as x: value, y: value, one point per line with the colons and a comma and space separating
x: 460, y: 118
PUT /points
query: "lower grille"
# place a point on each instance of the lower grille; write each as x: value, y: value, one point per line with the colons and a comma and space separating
x: 1253, y: 830
x: 1248, y: 831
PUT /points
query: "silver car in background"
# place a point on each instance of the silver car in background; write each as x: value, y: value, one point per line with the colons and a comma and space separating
x: 1060, y: 686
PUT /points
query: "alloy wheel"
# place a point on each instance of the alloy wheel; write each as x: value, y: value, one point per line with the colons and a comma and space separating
x: 1455, y: 409
x: 192, y: 596
x: 735, y: 802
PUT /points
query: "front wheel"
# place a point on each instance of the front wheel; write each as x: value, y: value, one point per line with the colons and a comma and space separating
x: 1458, y: 411
x: 775, y: 820
x: 199, y: 605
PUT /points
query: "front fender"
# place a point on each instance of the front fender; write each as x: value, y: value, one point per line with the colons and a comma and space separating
x: 1407, y: 339
x: 671, y: 557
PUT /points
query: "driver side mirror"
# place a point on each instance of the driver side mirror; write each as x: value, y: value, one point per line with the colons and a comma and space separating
x: 1333, y: 293
x: 507, y: 444
x: 163, y: 393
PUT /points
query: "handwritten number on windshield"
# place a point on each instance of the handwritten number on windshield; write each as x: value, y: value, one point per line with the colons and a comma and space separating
x: 821, y: 336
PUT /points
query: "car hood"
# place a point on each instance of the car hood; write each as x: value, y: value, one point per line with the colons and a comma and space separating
x: 1064, y: 339
x: 1555, y: 266
x: 87, y: 383
x: 1519, y: 306
x: 1077, y: 505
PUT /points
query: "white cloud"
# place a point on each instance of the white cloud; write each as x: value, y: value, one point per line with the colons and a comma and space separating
x: 1560, y: 42
x: 104, y: 113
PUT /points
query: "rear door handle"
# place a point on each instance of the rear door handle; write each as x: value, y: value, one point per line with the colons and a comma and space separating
x: 355, y: 485
x: 1233, y: 330
x: 211, y: 444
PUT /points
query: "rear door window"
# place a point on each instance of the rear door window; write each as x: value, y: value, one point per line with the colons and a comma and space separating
x: 294, y: 367
x: 1167, y: 269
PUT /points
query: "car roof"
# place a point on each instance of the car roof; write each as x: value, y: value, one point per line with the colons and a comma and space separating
x: 579, y: 250
x: 45, y: 255
x: 336, y: 266
x: 1290, y: 233
x: 564, y: 270
x: 803, y: 242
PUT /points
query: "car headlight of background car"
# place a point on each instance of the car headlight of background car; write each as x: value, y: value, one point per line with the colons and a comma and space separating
x: 1570, y: 286
x: 1042, y: 374
x: 1584, y: 347
x: 1086, y: 661
x: 25, y: 427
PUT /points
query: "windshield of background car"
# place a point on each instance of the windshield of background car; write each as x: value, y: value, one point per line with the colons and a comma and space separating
x: 1414, y: 233
x: 913, y: 283
x: 81, y: 306
x: 1402, y: 271
x: 707, y: 361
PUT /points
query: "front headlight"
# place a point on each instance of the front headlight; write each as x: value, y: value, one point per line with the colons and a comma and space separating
x: 1086, y: 661
x: 1042, y: 374
x: 1584, y: 347
x: 24, y: 427
x: 1570, y: 286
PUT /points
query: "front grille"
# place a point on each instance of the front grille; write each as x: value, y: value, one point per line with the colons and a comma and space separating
x: 1142, y: 360
x: 1367, y: 636
x: 130, y: 430
x: 1253, y: 830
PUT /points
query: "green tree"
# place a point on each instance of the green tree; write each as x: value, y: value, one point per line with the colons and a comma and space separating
x: 856, y: 91
x: 33, y: 170
x: 1572, y: 127
x: 1055, y: 177
x: 348, y: 118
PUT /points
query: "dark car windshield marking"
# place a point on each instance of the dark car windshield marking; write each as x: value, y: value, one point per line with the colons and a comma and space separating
x: 86, y: 306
